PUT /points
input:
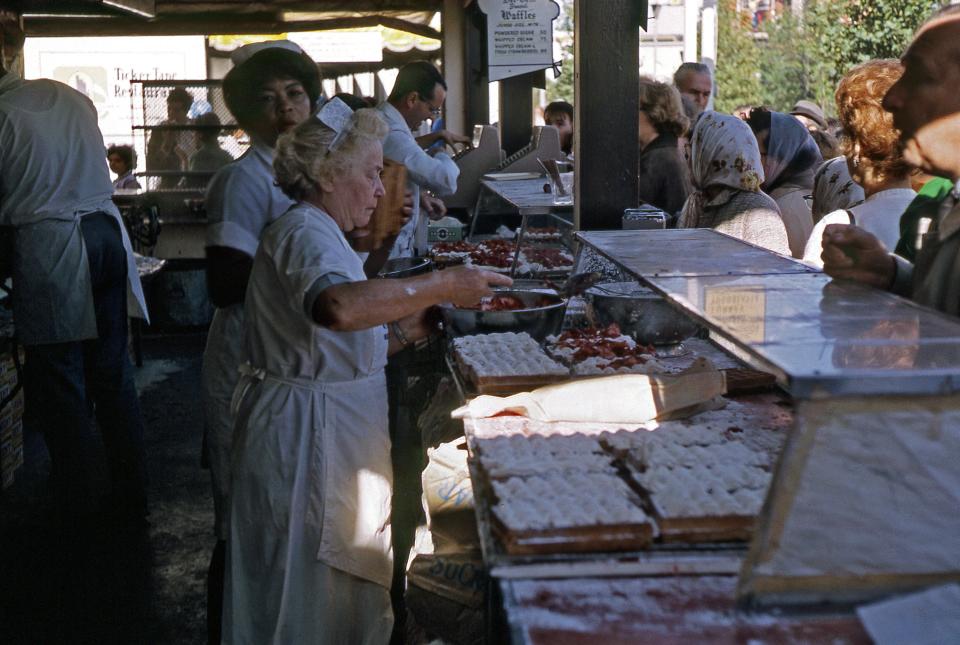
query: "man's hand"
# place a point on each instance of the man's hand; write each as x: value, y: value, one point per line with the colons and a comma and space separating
x: 466, y: 286
x: 432, y: 206
x: 452, y: 138
x: 851, y: 253
x: 449, y: 139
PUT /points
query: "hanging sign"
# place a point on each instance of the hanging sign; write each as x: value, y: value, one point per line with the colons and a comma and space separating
x: 519, y: 36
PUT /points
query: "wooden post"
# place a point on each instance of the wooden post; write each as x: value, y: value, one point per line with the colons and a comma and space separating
x: 11, y: 41
x: 476, y: 87
x: 516, y: 111
x: 606, y: 87
x: 454, y: 66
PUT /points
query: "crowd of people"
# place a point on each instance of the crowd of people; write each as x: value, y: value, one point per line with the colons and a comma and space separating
x: 787, y: 180
x: 301, y: 474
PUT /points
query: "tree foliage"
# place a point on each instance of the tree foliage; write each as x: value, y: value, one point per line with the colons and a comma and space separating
x: 737, y: 73
x: 561, y: 89
x: 805, y: 57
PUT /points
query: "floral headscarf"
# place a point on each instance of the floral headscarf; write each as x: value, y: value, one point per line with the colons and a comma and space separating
x: 833, y: 189
x: 724, y: 154
x: 792, y: 154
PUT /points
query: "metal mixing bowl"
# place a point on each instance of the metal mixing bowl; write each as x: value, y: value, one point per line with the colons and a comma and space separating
x: 405, y: 267
x: 640, y: 312
x: 538, y: 321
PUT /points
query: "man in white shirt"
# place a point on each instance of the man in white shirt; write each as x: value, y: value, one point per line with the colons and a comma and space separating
x: 417, y: 95
x: 73, y: 269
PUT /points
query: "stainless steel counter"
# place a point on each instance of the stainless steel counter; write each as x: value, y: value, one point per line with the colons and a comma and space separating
x: 526, y: 195
x: 820, y: 337
x: 687, y: 252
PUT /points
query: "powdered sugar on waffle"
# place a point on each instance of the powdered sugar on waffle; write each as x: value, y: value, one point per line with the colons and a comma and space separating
x: 514, y: 455
x: 565, y: 500
x: 507, y: 354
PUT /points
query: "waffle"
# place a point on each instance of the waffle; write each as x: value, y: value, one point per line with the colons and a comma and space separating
x: 494, y: 362
x: 559, y: 513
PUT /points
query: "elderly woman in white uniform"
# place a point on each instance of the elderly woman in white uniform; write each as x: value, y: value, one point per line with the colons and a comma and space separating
x: 309, y: 558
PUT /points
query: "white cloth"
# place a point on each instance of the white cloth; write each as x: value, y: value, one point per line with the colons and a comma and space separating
x: 878, y: 214
x: 243, y: 54
x: 52, y: 172
x: 437, y: 173
x: 312, y: 478
x: 242, y: 199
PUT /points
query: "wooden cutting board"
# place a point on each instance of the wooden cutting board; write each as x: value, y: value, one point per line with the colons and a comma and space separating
x: 387, y: 220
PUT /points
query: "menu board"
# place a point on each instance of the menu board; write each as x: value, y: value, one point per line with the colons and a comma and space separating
x: 519, y: 36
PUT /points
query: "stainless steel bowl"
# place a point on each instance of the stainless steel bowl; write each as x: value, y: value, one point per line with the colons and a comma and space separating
x: 538, y: 321
x: 640, y: 312
x: 405, y: 267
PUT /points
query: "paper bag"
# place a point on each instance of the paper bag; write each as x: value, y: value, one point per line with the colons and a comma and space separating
x: 624, y: 398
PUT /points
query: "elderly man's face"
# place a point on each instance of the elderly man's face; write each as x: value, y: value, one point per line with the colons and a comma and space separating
x: 697, y: 87
x: 925, y: 103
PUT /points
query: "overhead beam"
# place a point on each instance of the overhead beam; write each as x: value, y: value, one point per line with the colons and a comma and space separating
x: 138, y: 8
x: 209, y: 24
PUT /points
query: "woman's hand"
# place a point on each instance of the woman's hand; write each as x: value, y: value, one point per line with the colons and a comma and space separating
x: 466, y: 285
x: 432, y: 206
x: 851, y: 253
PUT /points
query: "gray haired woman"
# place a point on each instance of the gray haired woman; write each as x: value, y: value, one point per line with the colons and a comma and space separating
x: 309, y: 557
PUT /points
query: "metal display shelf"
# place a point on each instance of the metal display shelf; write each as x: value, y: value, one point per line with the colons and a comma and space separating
x: 526, y: 195
x: 821, y: 338
x: 687, y: 252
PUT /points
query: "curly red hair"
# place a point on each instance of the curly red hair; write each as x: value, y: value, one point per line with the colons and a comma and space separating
x: 869, y: 140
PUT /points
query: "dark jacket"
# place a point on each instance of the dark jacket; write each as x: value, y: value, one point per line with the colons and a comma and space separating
x: 664, y: 179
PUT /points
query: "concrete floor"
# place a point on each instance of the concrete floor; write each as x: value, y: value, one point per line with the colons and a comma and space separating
x: 118, y: 586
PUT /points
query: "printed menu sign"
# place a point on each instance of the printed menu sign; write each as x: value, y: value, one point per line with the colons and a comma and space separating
x: 740, y: 311
x: 519, y: 36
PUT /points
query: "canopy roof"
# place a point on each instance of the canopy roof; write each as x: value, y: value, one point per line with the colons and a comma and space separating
x: 185, y: 17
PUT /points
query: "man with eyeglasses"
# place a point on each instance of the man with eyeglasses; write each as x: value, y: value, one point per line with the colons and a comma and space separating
x: 417, y: 95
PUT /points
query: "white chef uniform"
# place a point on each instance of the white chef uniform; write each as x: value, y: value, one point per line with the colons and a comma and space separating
x: 44, y: 197
x: 309, y: 555
x: 242, y: 199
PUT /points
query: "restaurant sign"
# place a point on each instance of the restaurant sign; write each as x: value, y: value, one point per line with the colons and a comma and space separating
x: 519, y: 36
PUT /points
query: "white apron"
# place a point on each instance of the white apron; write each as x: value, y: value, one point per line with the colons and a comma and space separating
x: 309, y: 555
x: 218, y: 379
x: 53, y: 294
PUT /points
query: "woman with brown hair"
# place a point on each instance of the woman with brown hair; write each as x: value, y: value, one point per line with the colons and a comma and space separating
x: 663, y: 175
x: 870, y: 144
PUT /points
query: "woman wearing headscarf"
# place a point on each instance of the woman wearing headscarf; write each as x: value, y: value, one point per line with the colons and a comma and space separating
x: 662, y: 170
x: 874, y: 158
x: 272, y: 87
x: 834, y: 189
x: 309, y: 556
x: 726, y: 172
x: 790, y: 157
